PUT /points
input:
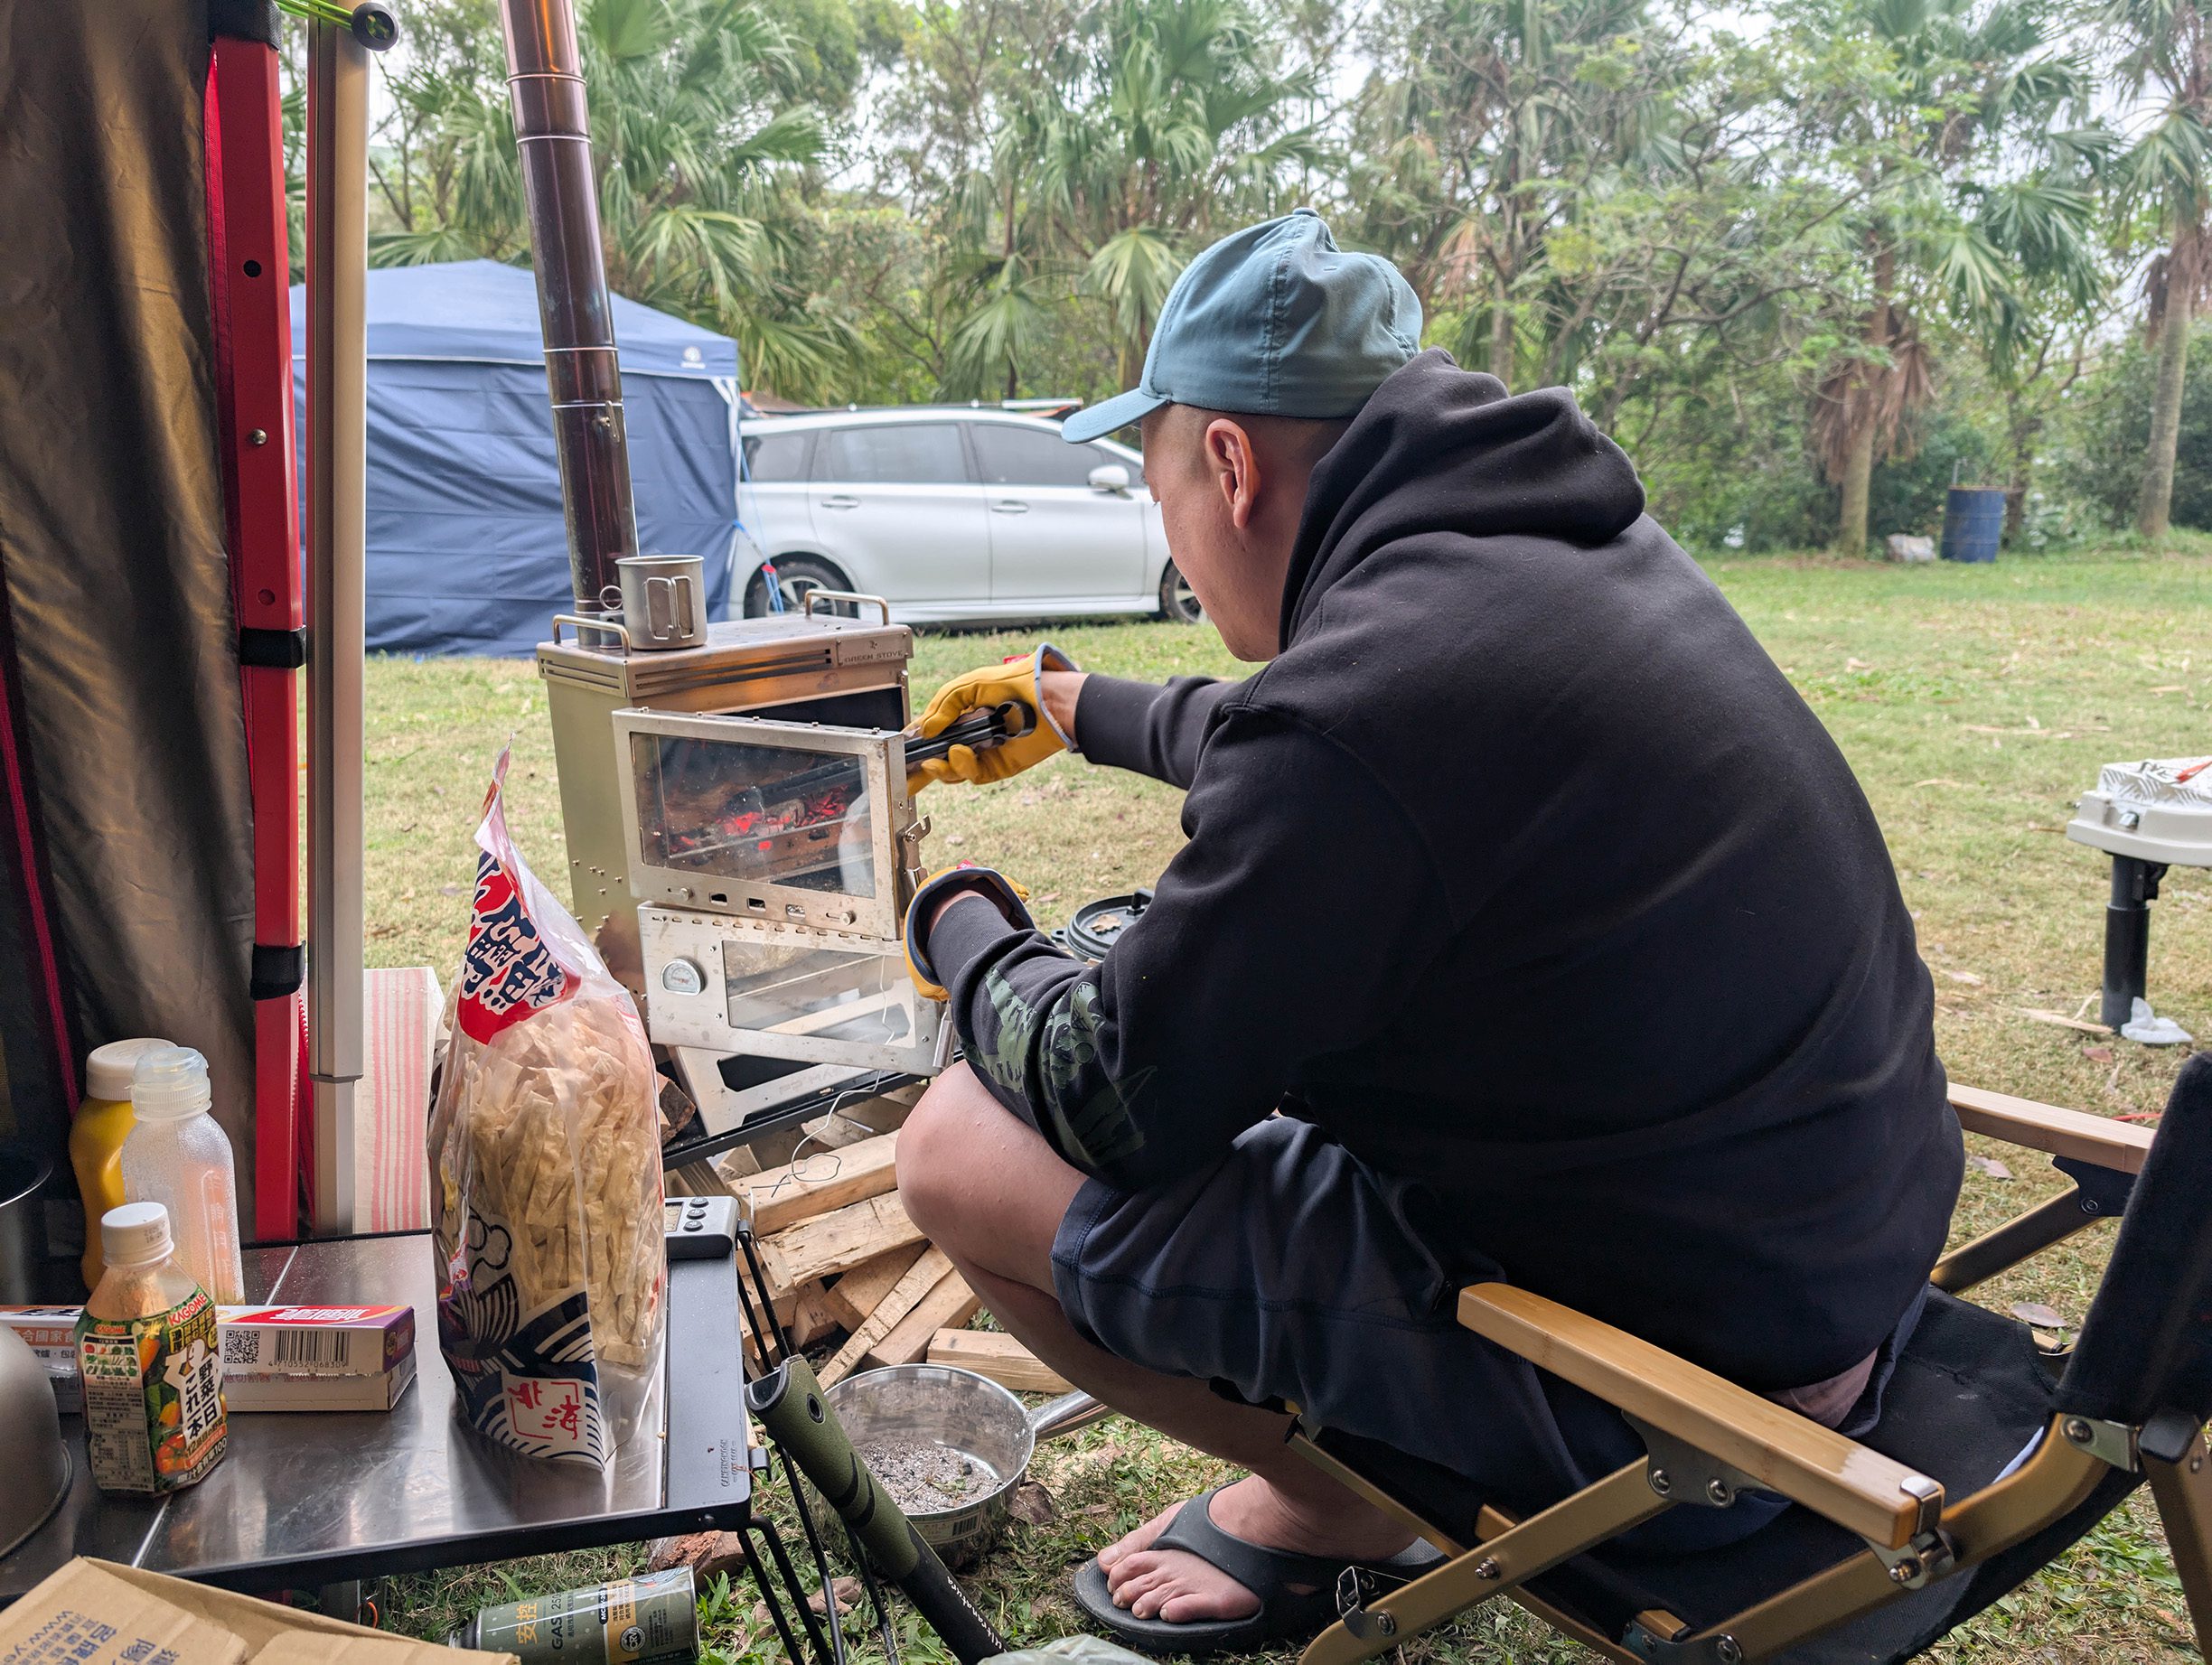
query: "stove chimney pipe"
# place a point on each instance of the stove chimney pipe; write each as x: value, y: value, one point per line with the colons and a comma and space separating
x: 544, y: 85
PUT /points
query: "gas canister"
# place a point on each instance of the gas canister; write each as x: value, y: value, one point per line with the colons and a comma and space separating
x: 648, y: 1620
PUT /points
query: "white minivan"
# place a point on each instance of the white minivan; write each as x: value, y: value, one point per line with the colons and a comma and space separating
x: 953, y: 514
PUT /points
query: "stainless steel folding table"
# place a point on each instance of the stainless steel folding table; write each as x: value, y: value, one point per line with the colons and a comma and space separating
x: 307, y: 1500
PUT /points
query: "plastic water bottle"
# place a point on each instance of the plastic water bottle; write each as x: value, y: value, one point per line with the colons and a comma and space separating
x: 178, y: 1158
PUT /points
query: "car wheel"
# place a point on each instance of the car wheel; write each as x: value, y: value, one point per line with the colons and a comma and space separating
x: 796, y: 575
x: 1178, y: 603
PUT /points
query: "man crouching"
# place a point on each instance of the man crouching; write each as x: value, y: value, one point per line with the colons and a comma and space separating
x: 1529, y: 928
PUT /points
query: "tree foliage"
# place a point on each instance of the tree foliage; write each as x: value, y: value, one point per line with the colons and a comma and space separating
x: 1799, y: 260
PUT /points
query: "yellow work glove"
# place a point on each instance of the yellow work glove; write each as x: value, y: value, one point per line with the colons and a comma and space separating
x: 1002, y: 893
x: 981, y: 689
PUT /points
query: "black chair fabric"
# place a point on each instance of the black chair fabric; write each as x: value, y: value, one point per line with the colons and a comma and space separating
x: 2146, y: 1345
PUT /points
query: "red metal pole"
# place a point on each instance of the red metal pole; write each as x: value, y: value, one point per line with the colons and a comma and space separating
x: 250, y: 266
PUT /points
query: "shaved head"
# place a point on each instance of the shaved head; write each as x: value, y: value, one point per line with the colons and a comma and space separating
x: 1297, y: 440
x: 1232, y: 489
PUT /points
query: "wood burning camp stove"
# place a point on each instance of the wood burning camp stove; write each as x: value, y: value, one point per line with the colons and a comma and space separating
x: 743, y: 846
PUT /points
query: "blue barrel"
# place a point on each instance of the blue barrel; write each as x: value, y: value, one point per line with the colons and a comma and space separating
x: 1974, y: 523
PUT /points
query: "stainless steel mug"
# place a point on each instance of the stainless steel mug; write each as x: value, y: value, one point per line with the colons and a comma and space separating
x: 22, y: 1226
x: 664, y: 601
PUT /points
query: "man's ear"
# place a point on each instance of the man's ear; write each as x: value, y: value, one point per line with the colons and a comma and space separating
x: 1234, y: 462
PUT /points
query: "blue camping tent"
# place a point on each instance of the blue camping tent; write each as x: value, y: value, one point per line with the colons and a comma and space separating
x: 466, y: 550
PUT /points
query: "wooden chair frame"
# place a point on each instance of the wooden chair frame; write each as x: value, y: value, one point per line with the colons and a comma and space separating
x: 1708, y: 1439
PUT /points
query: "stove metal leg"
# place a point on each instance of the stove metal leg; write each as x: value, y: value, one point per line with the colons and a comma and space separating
x: 823, y: 1651
x: 2127, y: 935
x: 342, y: 1600
x: 771, y: 1347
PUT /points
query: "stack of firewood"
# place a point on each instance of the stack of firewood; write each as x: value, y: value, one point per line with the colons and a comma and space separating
x: 851, y: 1276
x: 854, y: 1282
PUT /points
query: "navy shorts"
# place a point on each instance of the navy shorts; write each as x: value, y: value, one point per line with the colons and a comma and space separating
x: 1286, y: 1272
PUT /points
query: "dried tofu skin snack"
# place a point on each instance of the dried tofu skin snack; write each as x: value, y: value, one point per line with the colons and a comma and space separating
x: 545, y: 1183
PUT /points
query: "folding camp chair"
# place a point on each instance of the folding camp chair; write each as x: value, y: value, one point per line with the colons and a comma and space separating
x: 1991, y: 1456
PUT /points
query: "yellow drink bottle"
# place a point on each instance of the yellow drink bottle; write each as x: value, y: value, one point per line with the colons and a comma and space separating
x: 95, y: 1138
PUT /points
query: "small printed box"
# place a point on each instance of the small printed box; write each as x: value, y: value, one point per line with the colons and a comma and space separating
x: 316, y: 1341
x: 257, y: 1391
x: 373, y: 1345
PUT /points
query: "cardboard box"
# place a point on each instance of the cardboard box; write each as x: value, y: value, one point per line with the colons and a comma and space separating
x: 372, y: 1348
x: 51, y: 1332
x: 95, y: 1612
x: 256, y: 1390
x: 316, y: 1341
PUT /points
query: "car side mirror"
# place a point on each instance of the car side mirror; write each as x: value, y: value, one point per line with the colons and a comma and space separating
x: 1109, y: 477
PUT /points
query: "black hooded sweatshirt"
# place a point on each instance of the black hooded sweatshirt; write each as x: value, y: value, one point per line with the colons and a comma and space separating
x: 1526, y: 875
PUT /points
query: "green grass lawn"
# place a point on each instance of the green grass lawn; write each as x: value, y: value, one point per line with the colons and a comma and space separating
x: 1975, y: 703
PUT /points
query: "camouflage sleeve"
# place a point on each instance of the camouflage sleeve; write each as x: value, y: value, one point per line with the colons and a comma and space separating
x: 1145, y: 1066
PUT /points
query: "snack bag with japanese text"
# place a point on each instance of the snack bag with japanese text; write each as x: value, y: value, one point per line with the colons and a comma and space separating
x: 545, y: 1176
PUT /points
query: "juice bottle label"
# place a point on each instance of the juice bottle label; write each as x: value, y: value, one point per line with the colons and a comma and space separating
x: 153, y: 1397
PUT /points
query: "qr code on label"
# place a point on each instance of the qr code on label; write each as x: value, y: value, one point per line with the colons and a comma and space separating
x: 241, y: 1347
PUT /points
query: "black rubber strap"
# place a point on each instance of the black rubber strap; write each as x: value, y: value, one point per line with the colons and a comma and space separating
x: 278, y: 971
x: 273, y: 649
x: 985, y: 882
x: 1263, y: 1571
x: 244, y: 20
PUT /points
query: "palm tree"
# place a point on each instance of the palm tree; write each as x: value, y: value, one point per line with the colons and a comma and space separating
x: 1172, y: 135
x: 697, y: 156
x: 1960, y: 94
x: 2169, y: 171
x: 2037, y: 342
x: 1000, y: 275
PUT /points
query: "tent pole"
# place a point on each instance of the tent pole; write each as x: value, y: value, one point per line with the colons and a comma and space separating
x: 337, y: 447
x: 252, y: 290
x: 544, y: 87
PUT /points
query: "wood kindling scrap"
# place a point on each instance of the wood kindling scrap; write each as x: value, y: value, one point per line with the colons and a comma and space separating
x: 930, y: 1268
x: 812, y: 1318
x: 817, y: 1183
x: 950, y: 1303
x: 785, y: 1304
x: 884, y: 1113
x: 860, y: 1291
x: 831, y: 1132
x: 733, y: 1166
x: 1000, y: 1357
x: 695, y: 1179
x: 2061, y: 1020
x: 705, y: 1553
x: 837, y: 1241
x: 840, y: 1255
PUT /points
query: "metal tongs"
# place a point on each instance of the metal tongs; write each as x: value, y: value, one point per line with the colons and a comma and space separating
x: 980, y: 729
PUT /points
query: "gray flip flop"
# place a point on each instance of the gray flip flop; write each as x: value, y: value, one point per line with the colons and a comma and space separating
x: 1284, y: 1613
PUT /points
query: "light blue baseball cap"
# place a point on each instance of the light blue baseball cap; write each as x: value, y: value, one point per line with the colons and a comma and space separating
x: 1272, y: 321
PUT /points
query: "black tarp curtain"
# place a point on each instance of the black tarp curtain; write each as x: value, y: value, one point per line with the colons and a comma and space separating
x: 118, y: 619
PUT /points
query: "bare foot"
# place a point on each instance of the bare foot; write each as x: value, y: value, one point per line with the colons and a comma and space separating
x: 1176, y: 1585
